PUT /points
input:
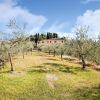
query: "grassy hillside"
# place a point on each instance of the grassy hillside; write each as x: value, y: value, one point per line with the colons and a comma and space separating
x: 43, y: 77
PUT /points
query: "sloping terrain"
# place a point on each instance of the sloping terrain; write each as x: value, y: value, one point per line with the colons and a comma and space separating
x: 43, y: 77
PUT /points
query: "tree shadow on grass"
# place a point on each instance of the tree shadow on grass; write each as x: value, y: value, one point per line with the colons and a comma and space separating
x: 87, y: 64
x: 76, y: 61
x: 69, y: 59
x: 55, y: 64
x: 54, y: 67
x: 39, y: 69
x: 66, y: 69
x: 4, y: 72
x: 53, y: 59
x: 86, y: 93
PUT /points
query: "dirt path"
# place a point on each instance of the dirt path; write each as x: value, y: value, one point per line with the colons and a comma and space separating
x: 51, y: 78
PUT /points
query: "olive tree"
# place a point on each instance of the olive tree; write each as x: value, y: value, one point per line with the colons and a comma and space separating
x: 29, y: 46
x: 17, y: 40
x: 45, y: 48
x: 54, y: 48
x: 61, y: 50
x: 95, y: 51
x: 81, y: 44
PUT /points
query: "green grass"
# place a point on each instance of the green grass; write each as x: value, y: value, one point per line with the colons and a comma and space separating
x: 30, y: 81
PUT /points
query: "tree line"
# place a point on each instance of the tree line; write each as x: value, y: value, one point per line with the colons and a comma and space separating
x: 80, y: 46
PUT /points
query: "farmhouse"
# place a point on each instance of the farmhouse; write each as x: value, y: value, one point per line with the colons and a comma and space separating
x: 52, y: 41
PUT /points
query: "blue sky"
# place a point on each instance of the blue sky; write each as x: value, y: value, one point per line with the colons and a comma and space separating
x: 52, y: 15
x: 59, y: 10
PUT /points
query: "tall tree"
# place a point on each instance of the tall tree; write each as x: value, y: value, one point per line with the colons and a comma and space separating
x: 36, y: 39
x: 55, y: 35
x: 49, y: 35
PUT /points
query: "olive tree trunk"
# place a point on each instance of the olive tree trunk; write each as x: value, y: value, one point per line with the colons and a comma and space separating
x: 61, y: 55
x: 54, y: 53
x: 49, y: 52
x: 31, y: 51
x: 23, y: 55
x: 83, y: 62
x: 10, y: 59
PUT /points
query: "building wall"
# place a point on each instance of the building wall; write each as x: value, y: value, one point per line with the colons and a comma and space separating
x: 51, y: 41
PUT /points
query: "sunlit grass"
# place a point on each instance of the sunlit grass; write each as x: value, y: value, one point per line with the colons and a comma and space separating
x: 29, y: 82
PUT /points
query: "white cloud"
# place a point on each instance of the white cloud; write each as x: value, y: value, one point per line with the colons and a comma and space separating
x: 58, y: 28
x: 10, y: 9
x: 87, y: 1
x: 92, y: 19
